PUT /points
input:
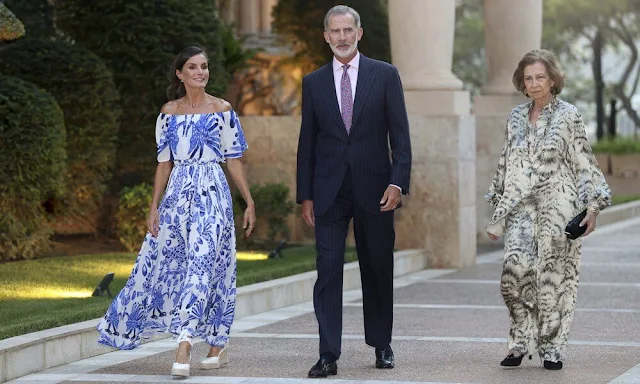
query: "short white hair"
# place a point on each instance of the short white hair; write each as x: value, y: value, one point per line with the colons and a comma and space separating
x: 341, y: 10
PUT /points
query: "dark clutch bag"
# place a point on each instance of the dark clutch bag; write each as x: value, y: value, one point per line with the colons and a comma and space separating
x: 573, y: 229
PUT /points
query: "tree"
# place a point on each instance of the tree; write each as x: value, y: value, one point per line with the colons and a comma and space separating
x: 299, y: 23
x: 469, y: 56
x: 598, y: 79
x: 138, y: 41
x: 624, y: 25
x: 604, y: 25
x: 469, y: 63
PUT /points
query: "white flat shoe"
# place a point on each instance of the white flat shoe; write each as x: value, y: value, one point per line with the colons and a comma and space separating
x: 216, y: 362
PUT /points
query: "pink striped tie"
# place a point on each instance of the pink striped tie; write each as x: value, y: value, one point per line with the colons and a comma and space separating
x: 345, y: 98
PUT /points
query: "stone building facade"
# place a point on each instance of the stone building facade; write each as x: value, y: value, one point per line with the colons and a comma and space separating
x: 455, y: 147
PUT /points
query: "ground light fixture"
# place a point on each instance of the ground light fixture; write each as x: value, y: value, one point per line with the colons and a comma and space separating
x: 103, y: 286
x: 276, y: 253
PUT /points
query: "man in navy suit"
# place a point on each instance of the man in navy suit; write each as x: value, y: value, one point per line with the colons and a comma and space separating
x: 353, y: 113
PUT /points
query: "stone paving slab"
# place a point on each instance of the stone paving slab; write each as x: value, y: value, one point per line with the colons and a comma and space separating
x: 632, y: 376
x: 612, y: 256
x: 590, y: 272
x: 487, y: 323
x: 617, y: 239
x: 487, y: 292
x: 441, y: 293
x: 231, y: 380
x: 446, y: 362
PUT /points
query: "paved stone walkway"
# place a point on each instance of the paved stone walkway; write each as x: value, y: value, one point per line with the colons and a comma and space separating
x: 450, y: 327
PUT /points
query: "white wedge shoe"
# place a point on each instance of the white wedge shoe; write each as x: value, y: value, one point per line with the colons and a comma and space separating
x: 216, y: 362
x: 179, y: 370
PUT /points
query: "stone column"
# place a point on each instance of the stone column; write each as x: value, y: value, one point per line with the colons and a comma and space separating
x: 228, y: 11
x: 249, y: 17
x: 421, y: 34
x: 439, y: 216
x: 512, y: 28
x: 265, y: 16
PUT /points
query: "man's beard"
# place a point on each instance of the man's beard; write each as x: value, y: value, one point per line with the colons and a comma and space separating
x: 343, y: 54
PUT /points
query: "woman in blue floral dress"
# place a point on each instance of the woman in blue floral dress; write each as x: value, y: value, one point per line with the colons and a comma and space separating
x: 184, y: 279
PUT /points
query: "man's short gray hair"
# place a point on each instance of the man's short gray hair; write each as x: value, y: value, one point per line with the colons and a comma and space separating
x: 341, y: 10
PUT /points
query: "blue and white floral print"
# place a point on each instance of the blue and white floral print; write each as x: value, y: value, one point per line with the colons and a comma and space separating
x: 184, y: 281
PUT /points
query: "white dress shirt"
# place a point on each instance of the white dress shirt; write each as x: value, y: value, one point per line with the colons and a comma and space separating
x: 352, y: 71
x: 338, y: 70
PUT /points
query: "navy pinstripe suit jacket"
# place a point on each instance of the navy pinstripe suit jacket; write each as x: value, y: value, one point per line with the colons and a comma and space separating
x: 377, y: 150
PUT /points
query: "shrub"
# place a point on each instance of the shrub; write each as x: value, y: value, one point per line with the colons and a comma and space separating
x: 84, y: 89
x: 138, y: 41
x: 273, y: 206
x: 36, y: 15
x: 236, y: 56
x: 23, y: 234
x: 132, y: 214
x: 32, y: 138
x: 618, y: 145
x: 11, y: 27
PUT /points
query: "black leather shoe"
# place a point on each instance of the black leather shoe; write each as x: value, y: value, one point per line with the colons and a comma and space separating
x: 323, y: 368
x: 512, y: 361
x: 552, y: 366
x: 384, y: 358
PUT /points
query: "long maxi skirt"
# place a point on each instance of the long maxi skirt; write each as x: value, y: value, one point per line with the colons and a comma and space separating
x: 184, y: 281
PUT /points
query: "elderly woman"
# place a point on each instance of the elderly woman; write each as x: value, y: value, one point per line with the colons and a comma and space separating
x: 546, y: 176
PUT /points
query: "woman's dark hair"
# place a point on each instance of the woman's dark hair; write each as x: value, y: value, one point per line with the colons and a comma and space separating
x: 176, y: 88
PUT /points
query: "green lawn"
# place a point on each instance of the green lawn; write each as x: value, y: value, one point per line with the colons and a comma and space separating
x: 615, y: 199
x: 46, y: 293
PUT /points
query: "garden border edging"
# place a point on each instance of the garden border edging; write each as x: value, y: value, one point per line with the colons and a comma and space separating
x: 37, y: 351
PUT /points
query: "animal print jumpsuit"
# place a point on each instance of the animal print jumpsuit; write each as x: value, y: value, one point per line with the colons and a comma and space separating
x: 546, y: 175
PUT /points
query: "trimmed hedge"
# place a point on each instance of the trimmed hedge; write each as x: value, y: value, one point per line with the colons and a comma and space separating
x: 32, y: 138
x: 36, y: 15
x: 10, y: 27
x: 618, y: 145
x: 84, y: 89
x: 138, y: 41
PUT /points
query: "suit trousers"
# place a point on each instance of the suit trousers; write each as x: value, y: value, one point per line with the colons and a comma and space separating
x: 375, y: 238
